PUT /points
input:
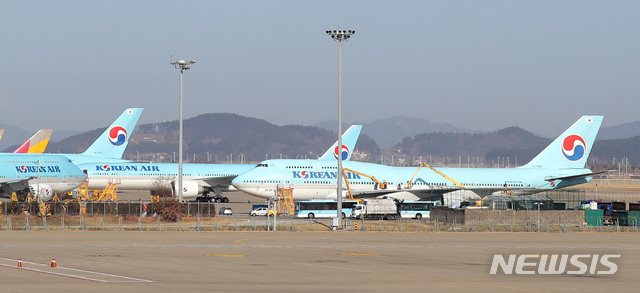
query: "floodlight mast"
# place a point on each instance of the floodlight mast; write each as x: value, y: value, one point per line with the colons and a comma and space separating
x: 339, y: 36
x: 182, y: 65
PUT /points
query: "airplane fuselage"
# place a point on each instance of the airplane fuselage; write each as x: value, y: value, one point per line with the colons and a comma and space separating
x: 151, y: 176
x: 19, y: 171
x: 317, y: 180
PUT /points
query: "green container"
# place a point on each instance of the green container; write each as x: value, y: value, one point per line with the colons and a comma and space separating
x: 594, y: 217
x: 633, y: 218
x: 621, y: 217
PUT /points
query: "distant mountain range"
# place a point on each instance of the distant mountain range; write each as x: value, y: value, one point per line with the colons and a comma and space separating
x: 14, y: 135
x: 220, y: 138
x: 508, y: 142
x: 224, y: 137
x: 621, y: 131
x: 388, y: 132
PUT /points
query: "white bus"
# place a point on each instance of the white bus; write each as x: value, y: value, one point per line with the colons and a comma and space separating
x: 417, y: 209
x: 322, y: 208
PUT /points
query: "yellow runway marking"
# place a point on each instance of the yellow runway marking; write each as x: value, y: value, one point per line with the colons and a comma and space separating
x: 227, y: 255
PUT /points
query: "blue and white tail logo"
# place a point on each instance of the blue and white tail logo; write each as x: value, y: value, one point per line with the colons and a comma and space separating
x: 571, y: 149
x: 349, y: 139
x: 344, y: 153
x: 574, y: 147
x: 113, y: 141
x: 117, y: 135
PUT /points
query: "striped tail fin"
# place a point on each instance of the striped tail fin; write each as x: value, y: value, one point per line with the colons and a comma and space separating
x: 37, y: 143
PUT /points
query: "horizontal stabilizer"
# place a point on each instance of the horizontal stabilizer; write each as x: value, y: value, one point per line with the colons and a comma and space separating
x: 577, y: 176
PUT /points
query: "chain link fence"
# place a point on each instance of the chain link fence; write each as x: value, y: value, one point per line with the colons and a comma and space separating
x: 234, y: 223
x: 145, y: 216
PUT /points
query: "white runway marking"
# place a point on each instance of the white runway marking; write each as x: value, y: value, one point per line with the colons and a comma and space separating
x: 69, y: 272
x: 403, y: 246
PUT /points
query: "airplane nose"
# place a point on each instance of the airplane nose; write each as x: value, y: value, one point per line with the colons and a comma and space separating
x: 237, y: 182
x: 238, y: 179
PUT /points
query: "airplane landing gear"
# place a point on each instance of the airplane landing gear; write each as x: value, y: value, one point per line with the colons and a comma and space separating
x: 206, y: 198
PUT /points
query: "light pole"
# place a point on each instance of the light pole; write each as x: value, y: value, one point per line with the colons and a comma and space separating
x: 339, y: 35
x: 182, y: 65
x: 538, y: 204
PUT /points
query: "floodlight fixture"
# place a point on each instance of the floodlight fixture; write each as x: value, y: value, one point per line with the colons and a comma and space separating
x: 182, y: 64
x: 340, y: 35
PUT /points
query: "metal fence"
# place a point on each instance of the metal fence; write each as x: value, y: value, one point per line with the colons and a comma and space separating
x: 145, y: 216
x: 245, y: 223
x: 104, y: 208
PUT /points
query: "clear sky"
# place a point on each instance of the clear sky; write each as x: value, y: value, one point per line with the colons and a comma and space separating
x: 482, y: 65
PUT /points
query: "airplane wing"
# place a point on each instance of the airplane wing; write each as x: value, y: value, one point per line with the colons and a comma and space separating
x: 218, y: 181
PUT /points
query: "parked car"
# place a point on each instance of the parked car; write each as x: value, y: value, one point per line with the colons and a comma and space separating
x: 259, y: 212
x: 226, y: 211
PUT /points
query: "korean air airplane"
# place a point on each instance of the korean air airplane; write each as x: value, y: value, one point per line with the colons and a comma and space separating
x: 198, y: 179
x: 42, y: 175
x: 47, y: 174
x: 559, y: 165
x: 36, y: 144
x: 110, y: 146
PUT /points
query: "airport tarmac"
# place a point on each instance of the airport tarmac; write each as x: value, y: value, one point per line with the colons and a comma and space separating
x: 341, y: 261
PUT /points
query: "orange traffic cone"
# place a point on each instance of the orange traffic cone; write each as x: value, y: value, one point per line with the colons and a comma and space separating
x: 53, y: 263
x: 19, y: 263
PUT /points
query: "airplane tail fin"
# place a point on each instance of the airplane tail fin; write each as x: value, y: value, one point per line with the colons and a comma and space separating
x: 114, y: 140
x: 1, y: 132
x: 571, y: 149
x: 349, y: 139
x: 37, y: 143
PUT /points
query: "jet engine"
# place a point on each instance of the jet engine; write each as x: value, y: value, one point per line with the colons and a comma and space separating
x: 41, y: 191
x: 190, y: 188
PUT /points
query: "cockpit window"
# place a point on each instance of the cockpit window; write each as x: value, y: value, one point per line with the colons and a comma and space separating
x: 263, y: 165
